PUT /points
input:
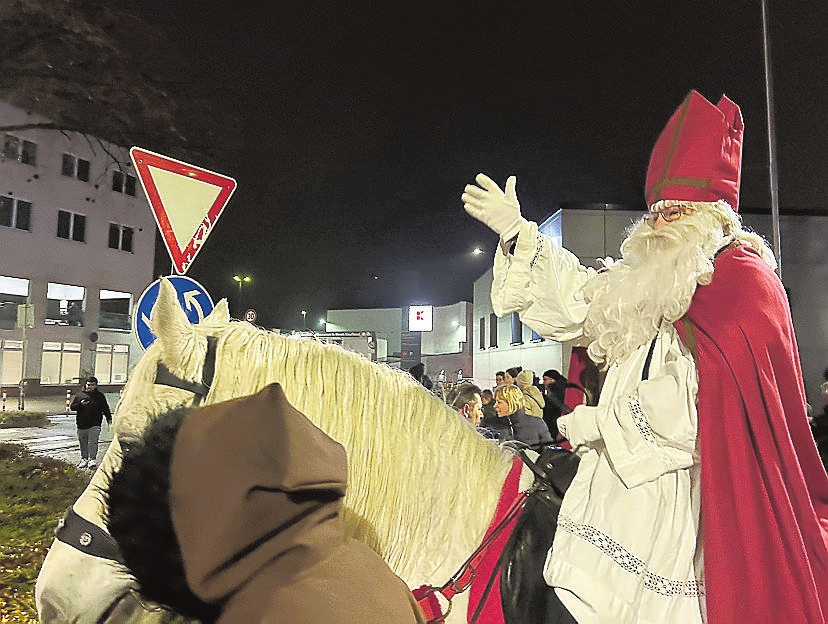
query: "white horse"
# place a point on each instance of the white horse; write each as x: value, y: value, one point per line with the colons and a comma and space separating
x: 423, y: 485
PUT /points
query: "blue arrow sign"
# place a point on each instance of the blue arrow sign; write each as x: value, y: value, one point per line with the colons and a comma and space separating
x: 192, y: 297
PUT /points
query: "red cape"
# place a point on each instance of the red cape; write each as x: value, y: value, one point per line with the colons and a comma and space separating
x: 764, y: 490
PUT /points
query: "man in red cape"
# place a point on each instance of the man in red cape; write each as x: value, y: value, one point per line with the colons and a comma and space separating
x: 700, y: 496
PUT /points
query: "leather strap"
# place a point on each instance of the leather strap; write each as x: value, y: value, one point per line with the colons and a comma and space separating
x: 164, y: 377
x: 77, y: 532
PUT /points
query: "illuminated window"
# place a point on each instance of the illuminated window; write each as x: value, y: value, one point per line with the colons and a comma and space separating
x: 111, y: 363
x: 115, y: 308
x: 13, y: 292
x: 60, y: 363
x: 64, y: 304
x: 11, y: 362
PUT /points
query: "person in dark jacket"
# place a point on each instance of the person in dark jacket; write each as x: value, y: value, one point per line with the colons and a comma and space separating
x: 91, y: 407
x: 418, y: 372
x: 513, y: 422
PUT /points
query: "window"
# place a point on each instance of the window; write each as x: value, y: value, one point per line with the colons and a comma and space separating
x: 111, y: 363
x: 115, y: 307
x: 120, y: 237
x: 536, y: 337
x: 13, y: 292
x: 123, y: 183
x: 11, y: 362
x: 75, y: 167
x: 71, y: 226
x: 60, y: 363
x: 15, y: 213
x: 517, y: 329
x: 21, y: 150
x: 482, y: 332
x: 64, y: 304
x: 493, y: 330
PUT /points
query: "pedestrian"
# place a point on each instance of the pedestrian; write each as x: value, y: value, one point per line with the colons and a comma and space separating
x: 701, y: 421
x: 513, y: 423
x: 418, y: 372
x: 91, y: 408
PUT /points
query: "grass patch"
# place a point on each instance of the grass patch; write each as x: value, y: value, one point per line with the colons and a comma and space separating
x: 34, y: 494
x: 23, y: 418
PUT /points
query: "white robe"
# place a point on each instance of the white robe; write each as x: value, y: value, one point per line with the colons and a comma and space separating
x: 628, y: 544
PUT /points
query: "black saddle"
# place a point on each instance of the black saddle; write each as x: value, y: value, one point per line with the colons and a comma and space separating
x: 525, y: 596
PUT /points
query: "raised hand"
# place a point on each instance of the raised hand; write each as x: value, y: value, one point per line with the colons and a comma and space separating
x: 498, y: 209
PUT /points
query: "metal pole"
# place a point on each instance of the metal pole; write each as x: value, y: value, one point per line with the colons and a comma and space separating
x: 772, y: 175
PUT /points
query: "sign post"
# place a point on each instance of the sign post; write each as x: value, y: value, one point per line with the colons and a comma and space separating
x: 186, y: 202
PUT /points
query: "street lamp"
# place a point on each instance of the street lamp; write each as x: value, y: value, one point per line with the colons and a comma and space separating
x: 304, y: 314
x: 241, y: 280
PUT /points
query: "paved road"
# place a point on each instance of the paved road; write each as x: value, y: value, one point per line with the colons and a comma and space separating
x: 59, y: 438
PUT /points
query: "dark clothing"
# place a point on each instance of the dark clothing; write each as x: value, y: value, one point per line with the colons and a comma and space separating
x: 530, y: 430
x: 489, y: 411
x: 92, y: 413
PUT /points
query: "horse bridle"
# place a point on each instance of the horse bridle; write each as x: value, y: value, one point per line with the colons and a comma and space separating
x: 85, y: 536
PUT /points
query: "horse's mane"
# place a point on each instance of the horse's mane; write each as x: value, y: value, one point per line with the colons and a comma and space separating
x: 409, y: 454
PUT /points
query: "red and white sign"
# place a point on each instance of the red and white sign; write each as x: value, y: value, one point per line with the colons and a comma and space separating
x: 250, y: 315
x: 420, y: 318
x: 186, y: 201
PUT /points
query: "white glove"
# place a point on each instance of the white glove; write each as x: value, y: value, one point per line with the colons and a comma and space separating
x: 498, y: 209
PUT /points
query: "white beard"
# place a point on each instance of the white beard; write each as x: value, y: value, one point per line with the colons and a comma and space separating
x: 654, y: 282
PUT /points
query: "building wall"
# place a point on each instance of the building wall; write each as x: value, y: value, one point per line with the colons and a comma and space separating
x: 40, y: 256
x: 386, y: 323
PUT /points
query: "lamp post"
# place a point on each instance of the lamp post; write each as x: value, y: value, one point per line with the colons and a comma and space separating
x: 304, y: 314
x: 241, y: 280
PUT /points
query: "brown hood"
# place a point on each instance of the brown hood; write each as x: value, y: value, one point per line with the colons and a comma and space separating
x: 256, y: 496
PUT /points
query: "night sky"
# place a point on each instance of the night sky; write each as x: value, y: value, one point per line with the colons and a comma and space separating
x: 352, y: 127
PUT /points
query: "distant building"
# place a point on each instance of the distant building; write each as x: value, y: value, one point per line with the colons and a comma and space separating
x: 77, y: 243
x: 444, y: 348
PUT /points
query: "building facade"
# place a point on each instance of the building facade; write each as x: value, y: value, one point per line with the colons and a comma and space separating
x: 76, y: 251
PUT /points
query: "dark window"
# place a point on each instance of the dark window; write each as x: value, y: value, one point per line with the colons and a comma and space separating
x: 64, y: 223
x: 23, y: 220
x: 11, y: 147
x: 28, y: 155
x: 71, y: 225
x: 79, y: 228
x: 129, y: 186
x: 120, y: 237
x: 118, y: 181
x: 67, y: 166
x: 83, y: 170
x: 482, y: 332
x: 15, y: 213
x: 493, y: 330
x: 536, y: 337
x: 517, y: 329
x: 6, y: 211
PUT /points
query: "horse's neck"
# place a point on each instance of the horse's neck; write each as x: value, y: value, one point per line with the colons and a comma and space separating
x: 458, y: 523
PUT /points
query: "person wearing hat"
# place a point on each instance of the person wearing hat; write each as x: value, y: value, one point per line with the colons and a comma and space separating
x: 700, y: 495
x: 232, y: 513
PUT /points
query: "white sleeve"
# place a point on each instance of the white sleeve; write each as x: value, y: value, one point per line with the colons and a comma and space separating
x: 653, y: 430
x: 542, y: 283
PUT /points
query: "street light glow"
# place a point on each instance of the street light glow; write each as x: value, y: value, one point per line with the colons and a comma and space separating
x: 477, y: 251
x: 241, y: 278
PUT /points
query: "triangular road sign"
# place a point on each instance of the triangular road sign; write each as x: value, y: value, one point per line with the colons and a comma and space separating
x: 186, y: 201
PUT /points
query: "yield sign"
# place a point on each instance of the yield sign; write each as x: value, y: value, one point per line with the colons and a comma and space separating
x: 186, y: 201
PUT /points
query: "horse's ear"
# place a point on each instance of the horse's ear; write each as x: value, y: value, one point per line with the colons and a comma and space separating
x: 219, y: 316
x: 167, y: 320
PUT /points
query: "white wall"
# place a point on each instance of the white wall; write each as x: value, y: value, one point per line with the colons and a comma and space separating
x: 41, y: 257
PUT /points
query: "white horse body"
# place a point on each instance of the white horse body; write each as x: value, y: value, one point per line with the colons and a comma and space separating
x: 423, y: 485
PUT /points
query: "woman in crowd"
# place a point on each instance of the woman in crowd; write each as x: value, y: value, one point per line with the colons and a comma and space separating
x: 512, y: 421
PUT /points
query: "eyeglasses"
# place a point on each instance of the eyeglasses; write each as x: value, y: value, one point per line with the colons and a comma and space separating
x: 669, y: 214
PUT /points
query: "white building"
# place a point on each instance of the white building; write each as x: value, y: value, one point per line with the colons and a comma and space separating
x: 444, y: 347
x: 77, y: 243
x: 597, y: 230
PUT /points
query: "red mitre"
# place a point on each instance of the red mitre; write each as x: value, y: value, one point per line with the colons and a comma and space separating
x: 698, y: 156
